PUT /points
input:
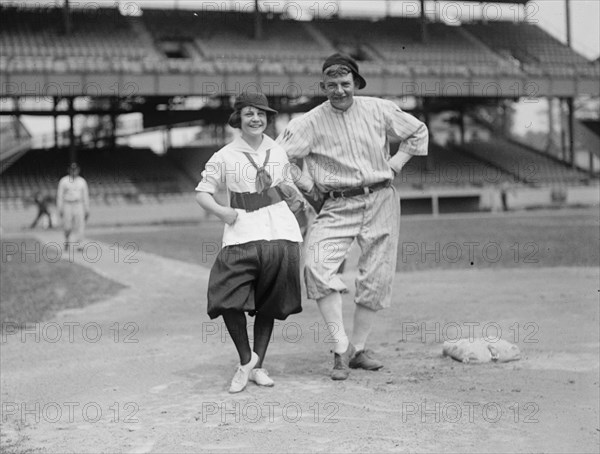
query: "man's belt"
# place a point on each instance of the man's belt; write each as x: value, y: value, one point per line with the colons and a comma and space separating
x: 252, y: 201
x: 353, y: 192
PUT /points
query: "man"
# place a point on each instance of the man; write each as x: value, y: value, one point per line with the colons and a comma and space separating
x: 345, y: 144
x: 43, y: 206
x: 73, y: 203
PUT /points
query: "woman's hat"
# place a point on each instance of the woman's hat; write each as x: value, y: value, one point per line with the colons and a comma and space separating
x: 257, y: 100
x: 345, y: 60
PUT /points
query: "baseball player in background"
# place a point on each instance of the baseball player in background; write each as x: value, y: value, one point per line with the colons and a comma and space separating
x: 73, y: 203
x: 345, y: 144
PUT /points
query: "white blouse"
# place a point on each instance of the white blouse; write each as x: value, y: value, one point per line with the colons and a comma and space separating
x: 230, y: 168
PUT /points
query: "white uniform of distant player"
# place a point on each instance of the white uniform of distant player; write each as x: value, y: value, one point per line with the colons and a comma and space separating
x: 73, y: 203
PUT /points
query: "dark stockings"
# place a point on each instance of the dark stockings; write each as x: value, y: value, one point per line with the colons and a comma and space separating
x: 263, y: 327
x: 235, y: 321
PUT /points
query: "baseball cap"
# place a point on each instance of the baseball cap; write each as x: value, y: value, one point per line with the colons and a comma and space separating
x: 346, y: 60
x: 257, y: 100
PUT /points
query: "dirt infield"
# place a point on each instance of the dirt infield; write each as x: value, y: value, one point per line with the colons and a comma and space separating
x: 147, y: 371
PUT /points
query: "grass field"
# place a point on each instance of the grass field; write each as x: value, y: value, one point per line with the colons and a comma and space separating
x: 34, y: 285
x: 538, y: 240
x: 32, y: 289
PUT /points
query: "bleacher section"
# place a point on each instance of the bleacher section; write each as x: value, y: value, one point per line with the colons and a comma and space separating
x: 101, y: 39
x: 222, y: 42
x: 129, y: 174
x: 533, y: 47
x: 124, y: 174
x: 191, y: 160
x: 174, y: 52
x: 524, y: 164
x: 446, y: 167
x: 280, y: 43
x: 398, y: 41
x: 221, y: 35
x: 15, y: 140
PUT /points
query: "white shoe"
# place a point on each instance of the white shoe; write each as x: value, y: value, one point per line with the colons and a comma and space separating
x: 240, y: 379
x: 261, y: 377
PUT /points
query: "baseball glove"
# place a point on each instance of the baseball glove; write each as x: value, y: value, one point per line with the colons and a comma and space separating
x: 295, y: 202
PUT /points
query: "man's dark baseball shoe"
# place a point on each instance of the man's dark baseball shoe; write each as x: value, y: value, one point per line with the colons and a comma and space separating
x: 341, y: 371
x: 364, y: 360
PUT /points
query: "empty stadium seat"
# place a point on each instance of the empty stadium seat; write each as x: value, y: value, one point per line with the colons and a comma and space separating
x: 525, y: 164
x: 128, y: 173
x: 32, y: 39
x: 538, y: 50
x: 33, y: 32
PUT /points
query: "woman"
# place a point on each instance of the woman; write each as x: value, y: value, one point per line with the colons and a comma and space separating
x: 257, y: 270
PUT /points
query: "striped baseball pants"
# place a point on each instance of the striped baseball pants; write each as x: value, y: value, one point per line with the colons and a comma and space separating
x: 372, y: 220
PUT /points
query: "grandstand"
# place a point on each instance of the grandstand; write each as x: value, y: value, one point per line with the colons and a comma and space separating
x: 397, y: 41
x: 221, y: 42
x: 532, y: 47
x: 123, y: 176
x: 220, y: 35
x: 139, y: 63
x: 526, y: 165
x: 447, y: 167
x: 33, y: 40
x: 16, y: 140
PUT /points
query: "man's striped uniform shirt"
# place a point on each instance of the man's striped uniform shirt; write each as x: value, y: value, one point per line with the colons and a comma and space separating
x: 346, y: 149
